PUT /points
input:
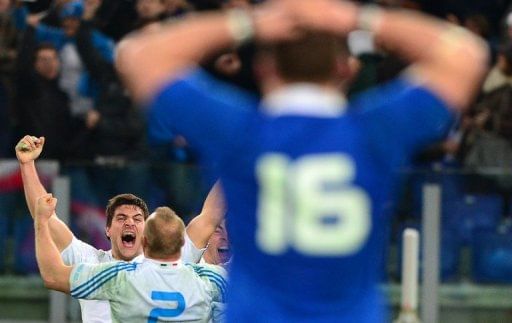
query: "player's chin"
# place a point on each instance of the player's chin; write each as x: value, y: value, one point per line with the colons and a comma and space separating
x: 128, y: 252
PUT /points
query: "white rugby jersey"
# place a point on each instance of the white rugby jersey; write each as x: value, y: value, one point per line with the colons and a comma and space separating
x: 152, y: 291
x: 80, y: 252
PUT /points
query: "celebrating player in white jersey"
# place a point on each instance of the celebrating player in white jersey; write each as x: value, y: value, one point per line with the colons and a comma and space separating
x: 126, y: 216
x: 161, y: 287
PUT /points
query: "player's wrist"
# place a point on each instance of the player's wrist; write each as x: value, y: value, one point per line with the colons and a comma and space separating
x: 369, y: 18
x: 241, y: 26
x: 27, y: 162
x: 40, y: 221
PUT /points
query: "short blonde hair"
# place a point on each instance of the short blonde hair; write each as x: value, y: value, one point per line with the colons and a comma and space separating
x: 164, y: 233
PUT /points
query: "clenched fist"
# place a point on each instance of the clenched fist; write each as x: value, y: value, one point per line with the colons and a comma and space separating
x: 45, y: 206
x: 29, y: 148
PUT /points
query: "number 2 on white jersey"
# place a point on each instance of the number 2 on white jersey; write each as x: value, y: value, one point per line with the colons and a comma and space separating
x: 175, y: 305
x: 311, y: 205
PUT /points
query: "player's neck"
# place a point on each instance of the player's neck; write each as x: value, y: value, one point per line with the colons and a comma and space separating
x: 160, y: 258
x: 116, y: 254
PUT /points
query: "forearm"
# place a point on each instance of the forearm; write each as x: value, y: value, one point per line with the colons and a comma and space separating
x: 165, y: 53
x: 435, y: 47
x: 54, y: 272
x: 33, y: 189
x: 32, y: 185
x: 203, y: 226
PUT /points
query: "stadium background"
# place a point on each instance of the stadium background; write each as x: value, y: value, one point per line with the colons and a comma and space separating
x: 475, y: 231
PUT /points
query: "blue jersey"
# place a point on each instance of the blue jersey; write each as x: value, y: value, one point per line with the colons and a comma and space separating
x: 306, y: 181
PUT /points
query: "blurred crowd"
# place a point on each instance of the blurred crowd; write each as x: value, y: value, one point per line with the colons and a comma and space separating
x: 57, y: 78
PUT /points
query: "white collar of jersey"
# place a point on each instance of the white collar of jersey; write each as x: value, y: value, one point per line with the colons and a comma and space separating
x: 139, y: 258
x: 305, y: 99
x: 166, y: 264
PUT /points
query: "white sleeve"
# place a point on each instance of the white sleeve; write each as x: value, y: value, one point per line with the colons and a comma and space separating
x: 78, y: 252
x: 217, y: 277
x: 99, y: 281
x: 218, y: 312
x: 189, y: 252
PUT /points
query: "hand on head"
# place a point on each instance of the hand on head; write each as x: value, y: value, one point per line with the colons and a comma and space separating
x: 282, y: 20
x: 29, y: 148
x: 328, y: 16
x: 45, y: 206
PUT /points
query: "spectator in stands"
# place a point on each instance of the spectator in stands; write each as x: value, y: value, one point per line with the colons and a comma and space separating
x: 501, y: 73
x: 487, y: 142
x: 117, y: 129
x: 175, y: 8
x: 150, y: 11
x: 9, y: 39
x: 8, y: 42
x: 42, y: 107
x: 77, y: 84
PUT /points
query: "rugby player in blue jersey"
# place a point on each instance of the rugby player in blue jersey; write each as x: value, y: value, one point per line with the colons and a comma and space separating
x: 306, y: 175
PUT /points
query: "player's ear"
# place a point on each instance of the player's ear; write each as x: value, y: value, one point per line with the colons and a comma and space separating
x: 107, y: 232
x: 347, y: 67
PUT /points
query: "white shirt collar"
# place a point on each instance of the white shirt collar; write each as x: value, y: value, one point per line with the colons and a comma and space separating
x: 304, y: 99
x: 170, y: 264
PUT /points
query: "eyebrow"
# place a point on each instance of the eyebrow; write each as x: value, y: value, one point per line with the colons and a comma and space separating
x: 126, y: 215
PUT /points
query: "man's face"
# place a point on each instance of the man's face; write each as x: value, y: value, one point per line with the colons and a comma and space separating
x: 125, y: 232
x: 218, y: 251
x: 150, y: 9
x: 4, y: 6
x: 47, y: 63
x: 70, y: 26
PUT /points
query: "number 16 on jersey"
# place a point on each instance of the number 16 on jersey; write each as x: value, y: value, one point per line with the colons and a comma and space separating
x: 310, y: 204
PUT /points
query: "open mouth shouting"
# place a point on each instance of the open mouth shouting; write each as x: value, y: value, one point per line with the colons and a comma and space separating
x: 128, y: 239
x: 224, y: 254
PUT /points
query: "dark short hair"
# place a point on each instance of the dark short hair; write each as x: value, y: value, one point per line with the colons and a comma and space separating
x: 124, y: 199
x: 45, y: 45
x: 312, y: 58
x: 164, y: 233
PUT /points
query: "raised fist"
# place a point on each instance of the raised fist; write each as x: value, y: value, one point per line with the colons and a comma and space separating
x: 29, y: 148
x: 45, y: 206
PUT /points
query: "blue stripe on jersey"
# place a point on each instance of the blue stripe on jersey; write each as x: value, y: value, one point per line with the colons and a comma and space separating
x: 101, y: 274
x: 214, y: 278
x: 200, y: 270
x: 210, y: 273
x: 218, y: 284
x: 105, y: 280
x: 107, y: 273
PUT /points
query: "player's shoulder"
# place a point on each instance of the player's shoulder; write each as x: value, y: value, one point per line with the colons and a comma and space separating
x: 111, y: 266
x: 207, y: 270
x: 79, y: 251
x: 388, y: 94
x: 215, y: 277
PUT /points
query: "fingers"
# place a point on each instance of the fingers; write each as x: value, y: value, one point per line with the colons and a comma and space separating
x: 45, y: 198
x: 47, y: 201
x: 30, y: 143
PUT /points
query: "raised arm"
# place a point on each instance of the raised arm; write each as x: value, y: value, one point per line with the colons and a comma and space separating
x: 54, y: 272
x: 28, y: 150
x: 202, y: 226
x: 148, y: 60
x: 447, y: 59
